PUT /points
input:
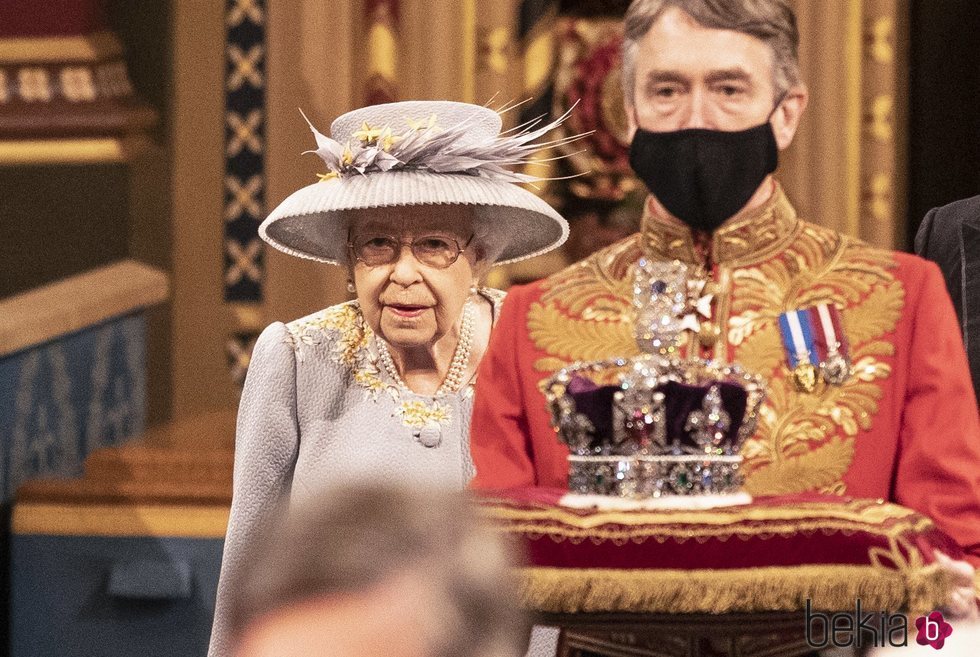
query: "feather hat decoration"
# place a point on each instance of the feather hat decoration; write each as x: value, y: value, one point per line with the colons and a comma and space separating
x: 421, y: 153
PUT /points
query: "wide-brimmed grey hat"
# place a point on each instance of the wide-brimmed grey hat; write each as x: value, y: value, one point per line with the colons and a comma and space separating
x: 419, y: 153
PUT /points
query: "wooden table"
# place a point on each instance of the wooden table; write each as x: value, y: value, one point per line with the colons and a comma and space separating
x: 762, y: 634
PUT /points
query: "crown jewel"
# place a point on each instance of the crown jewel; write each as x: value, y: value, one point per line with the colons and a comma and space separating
x: 666, y: 427
x: 656, y: 425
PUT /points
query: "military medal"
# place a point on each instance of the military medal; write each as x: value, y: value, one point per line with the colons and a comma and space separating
x: 835, y: 364
x: 836, y: 369
x: 800, y: 350
x: 805, y: 376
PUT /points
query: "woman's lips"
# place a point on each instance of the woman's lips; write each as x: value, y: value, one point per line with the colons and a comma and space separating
x: 405, y: 310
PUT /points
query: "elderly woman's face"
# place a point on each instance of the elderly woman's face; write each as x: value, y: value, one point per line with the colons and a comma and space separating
x: 410, y: 290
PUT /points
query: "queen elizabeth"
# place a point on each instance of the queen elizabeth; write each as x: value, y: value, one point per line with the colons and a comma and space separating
x: 418, y: 202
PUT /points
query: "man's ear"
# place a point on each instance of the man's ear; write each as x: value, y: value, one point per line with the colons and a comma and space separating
x: 786, y: 118
x: 630, y: 120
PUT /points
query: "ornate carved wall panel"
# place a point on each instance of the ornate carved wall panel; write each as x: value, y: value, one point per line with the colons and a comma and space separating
x: 65, y: 93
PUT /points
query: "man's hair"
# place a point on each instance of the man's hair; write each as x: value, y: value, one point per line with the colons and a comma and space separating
x: 771, y: 21
x: 351, y: 538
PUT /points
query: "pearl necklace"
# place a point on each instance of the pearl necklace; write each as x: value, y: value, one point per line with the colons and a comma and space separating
x: 457, y: 367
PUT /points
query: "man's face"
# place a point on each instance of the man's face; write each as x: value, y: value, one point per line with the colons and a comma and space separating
x: 689, y: 76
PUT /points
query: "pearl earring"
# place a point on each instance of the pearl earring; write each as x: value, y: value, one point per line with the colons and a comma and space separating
x: 474, y: 289
x: 350, y: 287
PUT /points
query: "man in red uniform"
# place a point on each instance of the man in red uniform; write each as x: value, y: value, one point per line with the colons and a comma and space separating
x: 713, y: 93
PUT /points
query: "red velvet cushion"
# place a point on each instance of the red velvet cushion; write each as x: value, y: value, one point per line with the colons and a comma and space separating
x: 774, y: 554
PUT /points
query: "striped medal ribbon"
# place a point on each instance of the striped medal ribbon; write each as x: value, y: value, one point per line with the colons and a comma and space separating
x: 831, y: 346
x: 797, y: 334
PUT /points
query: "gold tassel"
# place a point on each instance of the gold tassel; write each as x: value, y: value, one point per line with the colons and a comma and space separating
x: 828, y: 587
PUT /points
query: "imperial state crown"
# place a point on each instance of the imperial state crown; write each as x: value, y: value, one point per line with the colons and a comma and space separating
x: 656, y: 425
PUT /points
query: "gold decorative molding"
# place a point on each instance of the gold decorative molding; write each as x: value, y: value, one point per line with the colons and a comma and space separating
x: 852, y: 107
x: 117, y: 520
x: 880, y: 195
x: 248, y: 316
x: 885, y: 105
x: 496, y: 49
x: 538, y: 59
x: 469, y: 50
x: 382, y: 46
x: 882, y: 38
x: 66, y: 100
x: 381, y: 84
x: 89, y: 48
x: 73, y: 82
x: 71, y: 151
x: 882, y: 119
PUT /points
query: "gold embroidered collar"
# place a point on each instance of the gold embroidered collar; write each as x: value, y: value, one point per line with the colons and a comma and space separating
x: 746, y: 239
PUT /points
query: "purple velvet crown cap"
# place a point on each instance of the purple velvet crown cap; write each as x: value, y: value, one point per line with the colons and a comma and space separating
x: 680, y: 399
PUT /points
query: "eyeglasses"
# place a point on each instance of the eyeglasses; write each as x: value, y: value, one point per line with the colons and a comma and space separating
x: 435, y: 251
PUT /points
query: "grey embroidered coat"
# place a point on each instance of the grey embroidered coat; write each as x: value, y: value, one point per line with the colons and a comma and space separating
x: 319, y: 409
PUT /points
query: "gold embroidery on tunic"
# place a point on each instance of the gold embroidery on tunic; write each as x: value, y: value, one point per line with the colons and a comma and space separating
x: 586, y: 313
x: 756, y: 236
x: 804, y: 441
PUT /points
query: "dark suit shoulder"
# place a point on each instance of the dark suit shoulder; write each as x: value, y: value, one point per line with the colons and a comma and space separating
x: 938, y: 235
x: 967, y: 208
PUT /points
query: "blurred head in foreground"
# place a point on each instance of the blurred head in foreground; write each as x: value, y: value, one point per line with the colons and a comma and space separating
x: 379, y: 571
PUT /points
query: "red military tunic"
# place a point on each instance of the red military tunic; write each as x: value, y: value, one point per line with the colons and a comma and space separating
x: 904, y: 427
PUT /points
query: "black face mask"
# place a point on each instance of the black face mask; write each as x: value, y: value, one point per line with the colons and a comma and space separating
x: 703, y: 176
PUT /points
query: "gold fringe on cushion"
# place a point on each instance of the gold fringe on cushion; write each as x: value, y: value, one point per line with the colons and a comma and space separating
x: 830, y: 588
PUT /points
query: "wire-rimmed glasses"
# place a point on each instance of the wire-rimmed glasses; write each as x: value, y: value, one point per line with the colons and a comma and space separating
x: 437, y: 251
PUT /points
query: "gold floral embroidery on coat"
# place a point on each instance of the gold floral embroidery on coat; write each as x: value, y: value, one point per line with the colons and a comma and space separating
x: 804, y: 441
x: 343, y: 325
x: 417, y: 414
x: 344, y: 329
